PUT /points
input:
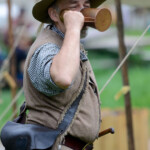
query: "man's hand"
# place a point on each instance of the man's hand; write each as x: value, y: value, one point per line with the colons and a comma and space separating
x: 66, y: 63
x: 73, y: 20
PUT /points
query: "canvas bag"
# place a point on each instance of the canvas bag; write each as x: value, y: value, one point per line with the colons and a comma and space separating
x: 15, y: 135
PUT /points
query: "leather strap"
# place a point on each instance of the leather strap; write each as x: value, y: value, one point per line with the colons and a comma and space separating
x: 72, y: 110
x: 68, y: 116
x: 22, y: 115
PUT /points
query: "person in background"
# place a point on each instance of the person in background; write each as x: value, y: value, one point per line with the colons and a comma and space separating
x: 21, y: 52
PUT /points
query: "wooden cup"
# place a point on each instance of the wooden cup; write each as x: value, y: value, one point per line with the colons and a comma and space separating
x: 97, y: 18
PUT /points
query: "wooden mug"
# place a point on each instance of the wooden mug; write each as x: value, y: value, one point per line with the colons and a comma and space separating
x: 97, y: 18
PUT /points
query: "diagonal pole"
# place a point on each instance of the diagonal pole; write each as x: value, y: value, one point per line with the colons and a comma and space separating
x: 10, y: 33
x: 124, y: 69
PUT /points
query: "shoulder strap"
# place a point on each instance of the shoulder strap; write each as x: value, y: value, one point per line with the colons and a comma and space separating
x: 72, y: 110
x: 68, y: 116
x: 22, y: 115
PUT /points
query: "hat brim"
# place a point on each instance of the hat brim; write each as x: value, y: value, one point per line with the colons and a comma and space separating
x: 40, y: 9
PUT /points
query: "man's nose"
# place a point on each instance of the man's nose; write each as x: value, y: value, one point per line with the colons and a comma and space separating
x: 81, y: 7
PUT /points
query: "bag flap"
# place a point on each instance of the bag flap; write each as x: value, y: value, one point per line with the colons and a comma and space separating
x: 16, y: 136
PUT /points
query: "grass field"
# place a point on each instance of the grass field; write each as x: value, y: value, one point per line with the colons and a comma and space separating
x: 139, y: 85
x: 139, y: 77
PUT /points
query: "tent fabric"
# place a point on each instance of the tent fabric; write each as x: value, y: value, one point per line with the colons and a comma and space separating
x: 137, y: 3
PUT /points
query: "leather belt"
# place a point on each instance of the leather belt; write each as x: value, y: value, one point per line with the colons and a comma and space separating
x: 75, y: 143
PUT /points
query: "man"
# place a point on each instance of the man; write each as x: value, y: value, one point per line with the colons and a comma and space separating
x: 55, y: 71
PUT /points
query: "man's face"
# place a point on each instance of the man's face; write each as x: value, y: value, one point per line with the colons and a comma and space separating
x: 75, y: 5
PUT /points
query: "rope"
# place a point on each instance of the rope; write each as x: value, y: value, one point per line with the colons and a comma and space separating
x: 125, y: 58
x: 11, y: 104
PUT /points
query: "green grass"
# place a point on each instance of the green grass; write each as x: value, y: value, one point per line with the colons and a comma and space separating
x: 147, y: 48
x: 5, y: 100
x: 139, y: 79
x: 136, y: 32
x: 139, y: 84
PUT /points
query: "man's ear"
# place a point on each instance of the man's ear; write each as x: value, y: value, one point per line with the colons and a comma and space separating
x: 53, y: 14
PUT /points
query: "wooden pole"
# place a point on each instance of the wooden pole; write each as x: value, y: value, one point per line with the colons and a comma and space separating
x: 10, y: 33
x: 122, y: 53
x: 12, y: 64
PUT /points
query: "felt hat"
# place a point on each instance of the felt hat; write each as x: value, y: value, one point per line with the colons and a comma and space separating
x: 40, y: 9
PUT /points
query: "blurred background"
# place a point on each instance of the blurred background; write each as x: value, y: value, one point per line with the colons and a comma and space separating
x: 18, y: 30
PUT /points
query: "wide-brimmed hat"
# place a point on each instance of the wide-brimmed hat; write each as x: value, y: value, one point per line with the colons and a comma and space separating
x: 40, y: 9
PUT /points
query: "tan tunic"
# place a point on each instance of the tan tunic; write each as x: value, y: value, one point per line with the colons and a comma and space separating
x: 49, y: 111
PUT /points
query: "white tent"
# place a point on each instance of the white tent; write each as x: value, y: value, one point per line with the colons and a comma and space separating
x: 137, y: 3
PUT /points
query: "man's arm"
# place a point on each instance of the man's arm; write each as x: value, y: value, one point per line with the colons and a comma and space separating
x: 38, y: 69
x: 66, y: 63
